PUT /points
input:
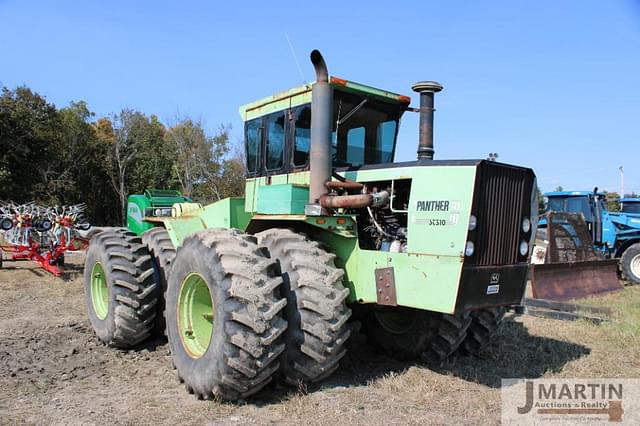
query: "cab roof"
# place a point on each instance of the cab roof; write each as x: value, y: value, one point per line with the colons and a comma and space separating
x: 302, y: 95
x: 571, y: 194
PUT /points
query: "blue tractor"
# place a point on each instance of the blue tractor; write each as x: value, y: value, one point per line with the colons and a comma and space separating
x: 615, y: 234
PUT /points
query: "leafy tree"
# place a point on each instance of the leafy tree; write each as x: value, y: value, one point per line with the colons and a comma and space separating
x: 28, y: 124
x: 67, y: 156
x: 123, y: 151
x: 152, y: 165
x: 199, y: 159
x: 612, y: 201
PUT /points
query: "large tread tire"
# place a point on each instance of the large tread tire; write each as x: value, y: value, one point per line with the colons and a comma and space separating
x: 163, y: 253
x: 450, y: 332
x: 484, y: 324
x: 630, y: 264
x: 246, y: 340
x: 316, y: 306
x: 131, y: 285
x: 401, y: 333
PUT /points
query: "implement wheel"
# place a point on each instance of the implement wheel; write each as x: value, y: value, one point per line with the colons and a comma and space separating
x: 120, y: 290
x: 224, y: 314
x: 163, y: 252
x: 316, y: 310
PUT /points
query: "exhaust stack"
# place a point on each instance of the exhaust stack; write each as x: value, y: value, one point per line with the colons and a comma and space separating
x: 321, y: 109
x: 427, y: 89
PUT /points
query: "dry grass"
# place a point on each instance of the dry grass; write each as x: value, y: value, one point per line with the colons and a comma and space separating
x: 140, y: 388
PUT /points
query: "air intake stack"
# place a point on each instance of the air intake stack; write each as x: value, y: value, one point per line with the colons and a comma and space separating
x: 427, y: 89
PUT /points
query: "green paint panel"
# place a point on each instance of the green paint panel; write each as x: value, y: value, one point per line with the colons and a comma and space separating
x: 282, y: 199
x: 140, y: 206
x: 226, y: 213
x: 252, y: 185
x: 136, y: 206
x: 422, y: 282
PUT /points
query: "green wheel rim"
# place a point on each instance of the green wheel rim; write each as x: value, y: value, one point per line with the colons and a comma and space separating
x: 395, y: 321
x: 195, y: 315
x: 99, y: 291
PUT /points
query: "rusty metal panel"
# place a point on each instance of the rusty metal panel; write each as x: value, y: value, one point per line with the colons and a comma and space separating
x: 386, y: 287
x: 574, y: 280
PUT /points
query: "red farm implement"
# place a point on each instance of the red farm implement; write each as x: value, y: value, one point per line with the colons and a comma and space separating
x: 42, y: 235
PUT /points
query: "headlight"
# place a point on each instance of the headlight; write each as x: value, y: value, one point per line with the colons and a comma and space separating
x: 524, y: 248
x: 473, y: 222
x: 162, y: 212
x: 469, y: 248
x: 526, y: 224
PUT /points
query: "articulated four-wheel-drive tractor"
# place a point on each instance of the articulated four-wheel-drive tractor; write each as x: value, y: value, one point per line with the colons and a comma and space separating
x: 426, y: 255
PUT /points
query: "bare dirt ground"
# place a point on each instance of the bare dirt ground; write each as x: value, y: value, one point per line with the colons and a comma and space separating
x: 53, y: 370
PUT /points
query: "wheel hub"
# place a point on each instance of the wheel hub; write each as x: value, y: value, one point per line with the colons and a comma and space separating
x: 99, y: 291
x: 195, y: 315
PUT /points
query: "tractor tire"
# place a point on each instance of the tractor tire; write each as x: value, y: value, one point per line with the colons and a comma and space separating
x: 484, y: 324
x: 224, y: 315
x: 316, y: 309
x: 163, y: 252
x: 449, y: 333
x: 401, y: 333
x: 630, y: 263
x: 120, y: 289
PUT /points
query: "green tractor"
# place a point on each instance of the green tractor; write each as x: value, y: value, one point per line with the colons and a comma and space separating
x: 425, y: 255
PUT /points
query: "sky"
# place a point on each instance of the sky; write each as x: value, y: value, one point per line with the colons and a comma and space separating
x: 552, y: 85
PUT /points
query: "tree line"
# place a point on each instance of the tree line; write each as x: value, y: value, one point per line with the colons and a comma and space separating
x: 57, y: 156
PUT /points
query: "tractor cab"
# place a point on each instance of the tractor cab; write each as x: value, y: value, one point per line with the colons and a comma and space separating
x: 592, y: 206
x: 365, y: 124
x: 630, y: 205
x: 575, y: 202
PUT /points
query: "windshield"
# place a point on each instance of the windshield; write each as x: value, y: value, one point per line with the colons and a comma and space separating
x: 555, y: 205
x: 571, y: 205
x: 632, y: 207
x: 364, y: 130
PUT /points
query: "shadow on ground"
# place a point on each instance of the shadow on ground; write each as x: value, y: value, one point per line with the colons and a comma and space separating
x: 514, y: 353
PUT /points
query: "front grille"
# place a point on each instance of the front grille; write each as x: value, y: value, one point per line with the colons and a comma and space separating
x: 502, y: 199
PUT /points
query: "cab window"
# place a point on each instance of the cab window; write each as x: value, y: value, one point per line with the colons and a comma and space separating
x: 275, y: 125
x: 355, y: 146
x: 252, y: 133
x: 302, y: 135
x: 364, y: 129
x: 386, y: 138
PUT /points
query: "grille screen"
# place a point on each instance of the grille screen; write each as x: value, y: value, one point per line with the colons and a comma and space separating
x: 502, y: 199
